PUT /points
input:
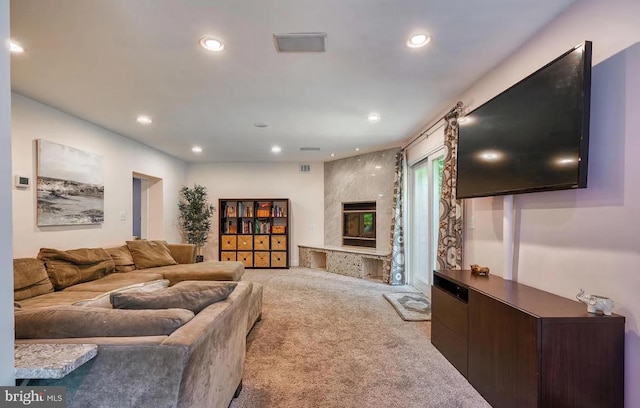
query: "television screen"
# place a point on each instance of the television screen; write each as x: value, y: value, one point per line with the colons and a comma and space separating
x: 533, y: 136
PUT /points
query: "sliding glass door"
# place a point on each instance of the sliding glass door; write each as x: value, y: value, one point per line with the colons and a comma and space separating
x: 424, y: 206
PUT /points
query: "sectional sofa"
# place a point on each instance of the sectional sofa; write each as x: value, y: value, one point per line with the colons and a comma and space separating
x: 159, y: 357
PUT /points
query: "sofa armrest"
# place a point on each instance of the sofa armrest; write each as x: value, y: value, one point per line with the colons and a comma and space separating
x: 183, y: 253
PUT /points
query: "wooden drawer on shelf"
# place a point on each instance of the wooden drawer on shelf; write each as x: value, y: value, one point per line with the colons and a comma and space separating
x: 278, y: 229
x: 245, y: 242
x: 261, y: 242
x: 228, y: 243
x: 246, y: 258
x: 228, y: 256
x: 262, y: 259
x: 278, y: 259
x: 278, y: 243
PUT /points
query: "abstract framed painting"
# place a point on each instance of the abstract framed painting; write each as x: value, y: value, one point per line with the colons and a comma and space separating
x: 70, y: 185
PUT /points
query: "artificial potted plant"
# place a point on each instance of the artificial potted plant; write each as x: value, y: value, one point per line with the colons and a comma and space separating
x: 195, y: 216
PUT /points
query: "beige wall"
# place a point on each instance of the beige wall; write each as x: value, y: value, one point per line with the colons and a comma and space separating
x: 357, y: 179
x: 267, y: 180
x: 122, y: 157
x: 567, y: 240
x: 6, y: 265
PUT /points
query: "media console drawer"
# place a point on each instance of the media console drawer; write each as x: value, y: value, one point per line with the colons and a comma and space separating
x: 451, y: 312
x: 452, y: 346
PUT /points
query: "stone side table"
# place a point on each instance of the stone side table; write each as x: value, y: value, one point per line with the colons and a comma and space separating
x: 40, y: 361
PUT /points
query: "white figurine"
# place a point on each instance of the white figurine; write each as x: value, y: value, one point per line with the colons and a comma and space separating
x: 595, y: 303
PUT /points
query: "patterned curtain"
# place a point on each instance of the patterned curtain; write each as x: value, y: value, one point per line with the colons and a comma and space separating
x: 397, y: 274
x: 450, y: 230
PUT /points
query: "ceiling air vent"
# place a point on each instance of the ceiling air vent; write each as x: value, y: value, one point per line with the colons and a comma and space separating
x: 309, y: 149
x: 305, y: 168
x: 300, y: 42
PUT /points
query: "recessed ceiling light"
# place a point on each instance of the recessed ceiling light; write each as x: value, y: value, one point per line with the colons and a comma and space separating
x: 211, y: 44
x: 143, y: 120
x: 418, y: 40
x: 373, y: 117
x: 196, y: 149
x: 15, y: 47
x: 378, y: 167
x: 276, y: 149
x: 333, y: 155
x: 357, y: 149
x: 260, y: 125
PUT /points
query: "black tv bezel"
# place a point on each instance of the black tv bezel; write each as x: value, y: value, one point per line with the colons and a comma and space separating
x: 583, y: 162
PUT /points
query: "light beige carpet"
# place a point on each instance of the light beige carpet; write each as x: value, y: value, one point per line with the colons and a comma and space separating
x: 328, y: 340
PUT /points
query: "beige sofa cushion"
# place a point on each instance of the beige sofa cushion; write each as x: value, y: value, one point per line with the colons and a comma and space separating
x: 183, y: 253
x: 149, y: 254
x: 104, y: 299
x: 56, y: 299
x: 193, y: 296
x: 72, y: 321
x: 114, y: 281
x: 66, y: 268
x: 30, y: 278
x: 203, y: 271
x: 122, y: 258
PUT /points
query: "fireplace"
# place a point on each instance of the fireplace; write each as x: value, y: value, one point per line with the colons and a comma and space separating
x: 359, y: 224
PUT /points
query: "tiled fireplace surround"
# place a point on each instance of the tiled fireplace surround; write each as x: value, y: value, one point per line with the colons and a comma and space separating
x: 367, y: 177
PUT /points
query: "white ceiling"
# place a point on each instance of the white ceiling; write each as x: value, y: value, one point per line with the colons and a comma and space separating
x: 108, y: 61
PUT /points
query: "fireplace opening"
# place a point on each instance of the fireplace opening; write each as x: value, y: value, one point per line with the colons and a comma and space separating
x: 359, y: 224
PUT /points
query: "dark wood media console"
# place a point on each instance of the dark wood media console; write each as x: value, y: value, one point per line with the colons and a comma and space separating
x: 523, y: 347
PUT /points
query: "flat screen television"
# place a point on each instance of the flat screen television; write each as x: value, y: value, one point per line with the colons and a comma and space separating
x: 532, y: 137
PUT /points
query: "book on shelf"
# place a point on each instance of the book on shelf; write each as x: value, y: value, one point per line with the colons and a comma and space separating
x: 277, y: 211
x: 229, y: 211
x: 263, y: 227
x: 247, y: 227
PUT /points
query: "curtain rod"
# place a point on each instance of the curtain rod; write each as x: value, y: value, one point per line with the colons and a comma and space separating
x: 456, y: 108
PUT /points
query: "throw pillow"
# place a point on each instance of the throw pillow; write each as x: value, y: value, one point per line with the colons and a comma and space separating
x: 66, y: 268
x: 104, y: 300
x: 191, y: 297
x: 30, y: 278
x: 149, y: 254
x: 122, y: 258
x: 75, y: 322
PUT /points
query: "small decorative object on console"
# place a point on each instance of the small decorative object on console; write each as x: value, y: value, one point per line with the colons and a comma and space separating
x: 595, y: 303
x: 479, y: 270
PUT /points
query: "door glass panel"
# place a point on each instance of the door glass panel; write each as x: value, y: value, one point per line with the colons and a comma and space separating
x: 424, y: 218
x: 438, y: 168
x: 420, y: 225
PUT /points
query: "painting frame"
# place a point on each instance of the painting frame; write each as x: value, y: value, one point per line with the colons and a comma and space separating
x: 70, y: 185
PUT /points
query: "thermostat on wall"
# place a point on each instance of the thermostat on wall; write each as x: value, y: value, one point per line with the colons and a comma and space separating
x: 22, y: 181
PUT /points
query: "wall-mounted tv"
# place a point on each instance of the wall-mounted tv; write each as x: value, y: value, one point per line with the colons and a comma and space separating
x: 532, y: 137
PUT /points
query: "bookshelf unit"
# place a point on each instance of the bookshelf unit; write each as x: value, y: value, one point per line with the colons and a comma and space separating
x: 254, y: 232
